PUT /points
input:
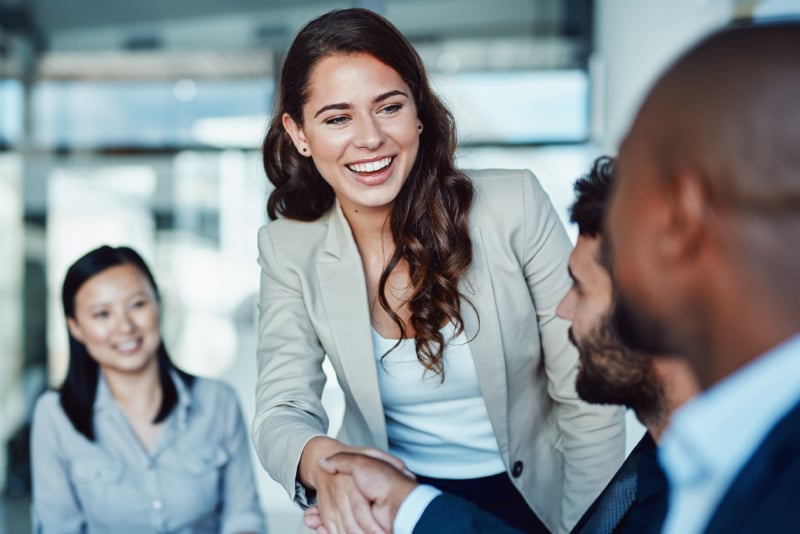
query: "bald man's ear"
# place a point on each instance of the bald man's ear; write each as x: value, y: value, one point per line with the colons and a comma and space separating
x: 687, y: 222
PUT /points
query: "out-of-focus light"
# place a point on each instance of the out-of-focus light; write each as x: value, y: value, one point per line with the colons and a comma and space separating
x: 207, y: 345
x: 185, y: 90
x: 139, y: 180
x: 776, y: 8
x: 230, y: 132
x: 448, y: 63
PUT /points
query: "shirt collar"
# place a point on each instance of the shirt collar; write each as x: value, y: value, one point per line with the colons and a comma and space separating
x: 105, y: 401
x: 102, y: 399
x: 184, y: 404
x: 717, y: 431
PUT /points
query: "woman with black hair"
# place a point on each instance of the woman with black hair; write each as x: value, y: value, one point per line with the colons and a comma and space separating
x: 130, y: 443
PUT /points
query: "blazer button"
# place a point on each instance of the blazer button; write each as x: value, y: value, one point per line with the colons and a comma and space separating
x: 516, y: 470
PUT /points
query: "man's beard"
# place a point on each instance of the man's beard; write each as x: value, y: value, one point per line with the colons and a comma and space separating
x: 631, y: 328
x: 611, y: 373
x: 639, y: 331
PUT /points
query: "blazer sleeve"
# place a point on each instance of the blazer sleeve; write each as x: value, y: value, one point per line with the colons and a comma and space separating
x: 592, y: 437
x: 288, y: 410
x: 450, y: 514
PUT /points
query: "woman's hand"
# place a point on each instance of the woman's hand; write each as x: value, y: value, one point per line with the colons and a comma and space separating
x: 341, y: 506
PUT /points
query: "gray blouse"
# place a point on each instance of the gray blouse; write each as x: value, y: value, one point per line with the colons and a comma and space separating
x: 198, y: 478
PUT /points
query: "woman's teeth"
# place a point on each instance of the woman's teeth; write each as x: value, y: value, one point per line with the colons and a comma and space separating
x: 371, y: 166
x: 128, y: 345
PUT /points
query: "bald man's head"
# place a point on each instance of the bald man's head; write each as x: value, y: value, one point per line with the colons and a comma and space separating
x: 731, y: 107
x: 729, y: 111
x: 704, y: 222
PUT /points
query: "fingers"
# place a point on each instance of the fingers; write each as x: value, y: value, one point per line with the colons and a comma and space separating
x: 362, y: 514
x: 338, y: 463
x: 348, y: 463
x: 392, y: 460
x: 351, y: 517
x: 342, y: 509
x: 312, y: 519
x: 342, y: 463
x: 377, y: 483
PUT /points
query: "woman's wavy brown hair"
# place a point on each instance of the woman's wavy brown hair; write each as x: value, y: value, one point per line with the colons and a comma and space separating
x: 429, y: 218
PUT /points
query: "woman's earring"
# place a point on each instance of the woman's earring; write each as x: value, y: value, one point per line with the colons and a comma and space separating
x: 304, y: 149
x: 419, y: 127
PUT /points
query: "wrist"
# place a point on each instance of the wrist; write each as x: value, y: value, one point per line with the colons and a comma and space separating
x: 316, y: 448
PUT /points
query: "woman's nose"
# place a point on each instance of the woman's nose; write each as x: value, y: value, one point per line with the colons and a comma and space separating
x: 369, y: 134
x: 126, y: 323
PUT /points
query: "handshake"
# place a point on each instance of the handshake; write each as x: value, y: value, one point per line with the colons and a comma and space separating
x: 370, y: 487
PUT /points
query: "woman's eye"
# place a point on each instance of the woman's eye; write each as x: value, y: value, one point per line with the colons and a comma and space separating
x: 139, y: 303
x: 392, y: 108
x: 336, y: 121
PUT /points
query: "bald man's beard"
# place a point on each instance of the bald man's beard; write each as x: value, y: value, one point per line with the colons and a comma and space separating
x: 638, y: 330
x: 610, y: 373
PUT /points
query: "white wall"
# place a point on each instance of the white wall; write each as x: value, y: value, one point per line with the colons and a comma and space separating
x: 634, y: 42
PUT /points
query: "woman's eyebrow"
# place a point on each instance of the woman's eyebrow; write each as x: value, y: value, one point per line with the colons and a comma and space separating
x: 344, y: 106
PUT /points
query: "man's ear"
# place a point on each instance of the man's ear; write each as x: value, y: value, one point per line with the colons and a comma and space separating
x: 295, y: 131
x: 688, y: 216
x: 75, y: 329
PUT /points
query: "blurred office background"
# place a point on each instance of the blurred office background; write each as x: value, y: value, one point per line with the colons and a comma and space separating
x: 140, y: 123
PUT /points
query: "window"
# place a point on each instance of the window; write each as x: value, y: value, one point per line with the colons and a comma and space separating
x: 518, y: 107
x: 148, y: 114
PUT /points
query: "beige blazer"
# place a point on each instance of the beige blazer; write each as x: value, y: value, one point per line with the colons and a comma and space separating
x: 559, y: 451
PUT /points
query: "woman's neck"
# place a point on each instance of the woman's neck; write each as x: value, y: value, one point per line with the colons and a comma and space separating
x: 137, y: 394
x: 368, y: 223
x: 372, y: 233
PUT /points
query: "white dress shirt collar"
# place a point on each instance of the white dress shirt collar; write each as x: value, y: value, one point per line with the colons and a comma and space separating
x: 712, y: 437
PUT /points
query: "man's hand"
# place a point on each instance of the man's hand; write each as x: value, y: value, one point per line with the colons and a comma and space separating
x: 313, y: 520
x: 382, y: 484
x: 341, y: 507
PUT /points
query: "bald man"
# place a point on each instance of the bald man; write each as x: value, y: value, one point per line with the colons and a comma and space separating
x: 705, y: 237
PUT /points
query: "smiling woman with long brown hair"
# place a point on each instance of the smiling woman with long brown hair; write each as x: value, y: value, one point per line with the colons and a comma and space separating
x: 431, y: 289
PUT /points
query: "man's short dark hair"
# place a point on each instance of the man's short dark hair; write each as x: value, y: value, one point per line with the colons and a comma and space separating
x: 592, y: 194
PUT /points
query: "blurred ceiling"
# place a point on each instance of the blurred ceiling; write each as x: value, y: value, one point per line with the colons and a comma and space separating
x: 533, y: 32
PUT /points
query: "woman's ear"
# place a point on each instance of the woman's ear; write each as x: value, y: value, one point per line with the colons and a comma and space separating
x: 295, y: 131
x: 75, y: 329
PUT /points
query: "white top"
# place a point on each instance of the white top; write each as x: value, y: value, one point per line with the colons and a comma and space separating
x: 439, y: 429
x: 712, y: 437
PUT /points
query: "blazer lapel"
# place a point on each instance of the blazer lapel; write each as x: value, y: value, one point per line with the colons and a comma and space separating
x: 485, y: 339
x: 344, y: 295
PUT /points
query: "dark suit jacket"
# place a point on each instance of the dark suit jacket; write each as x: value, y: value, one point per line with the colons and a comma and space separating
x: 646, y: 513
x: 450, y: 514
x: 765, y: 495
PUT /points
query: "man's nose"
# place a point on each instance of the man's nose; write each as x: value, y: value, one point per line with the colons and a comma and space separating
x: 566, y: 308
